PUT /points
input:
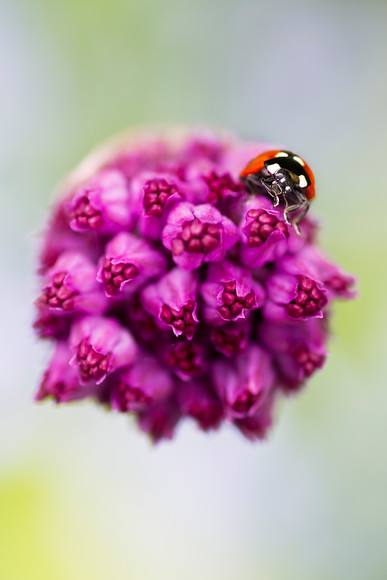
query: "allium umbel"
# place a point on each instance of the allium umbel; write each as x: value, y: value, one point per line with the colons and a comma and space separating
x: 170, y: 291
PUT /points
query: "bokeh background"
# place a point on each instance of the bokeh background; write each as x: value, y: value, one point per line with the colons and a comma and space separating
x: 82, y: 494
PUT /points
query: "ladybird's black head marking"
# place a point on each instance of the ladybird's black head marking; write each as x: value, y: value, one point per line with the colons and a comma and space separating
x: 293, y: 164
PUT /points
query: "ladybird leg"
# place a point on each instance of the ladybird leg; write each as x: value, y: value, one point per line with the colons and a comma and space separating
x: 288, y: 208
x: 304, y: 206
x: 297, y: 229
x: 273, y: 188
x: 301, y: 216
x: 294, y: 201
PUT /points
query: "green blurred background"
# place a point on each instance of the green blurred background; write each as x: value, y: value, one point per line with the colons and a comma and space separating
x: 82, y: 494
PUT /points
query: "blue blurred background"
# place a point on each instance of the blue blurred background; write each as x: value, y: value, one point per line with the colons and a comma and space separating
x: 82, y: 494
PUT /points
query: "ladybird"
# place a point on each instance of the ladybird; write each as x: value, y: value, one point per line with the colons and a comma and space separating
x: 286, y: 177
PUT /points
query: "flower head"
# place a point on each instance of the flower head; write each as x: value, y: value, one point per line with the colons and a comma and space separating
x: 170, y: 291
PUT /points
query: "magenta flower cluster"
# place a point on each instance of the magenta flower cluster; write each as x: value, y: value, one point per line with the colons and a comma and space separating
x: 168, y: 291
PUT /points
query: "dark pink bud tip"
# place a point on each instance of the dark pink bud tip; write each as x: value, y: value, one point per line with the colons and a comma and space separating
x: 85, y: 215
x: 50, y: 325
x: 92, y: 364
x: 264, y: 225
x: 144, y: 323
x: 159, y: 421
x: 244, y: 402
x: 114, y: 275
x: 227, y: 341
x: 232, y: 303
x: 156, y: 194
x: 218, y: 184
x: 181, y: 319
x: 184, y: 358
x: 129, y: 397
x: 58, y: 390
x: 197, y: 237
x: 58, y: 295
x: 338, y: 284
x: 308, y: 301
x: 308, y: 360
x: 207, y: 415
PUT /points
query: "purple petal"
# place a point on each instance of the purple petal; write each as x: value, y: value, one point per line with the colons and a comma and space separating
x: 160, y: 421
x: 186, y: 359
x: 101, y: 204
x: 311, y: 261
x: 255, y: 427
x: 265, y: 233
x: 300, y: 297
x: 243, y: 386
x: 71, y: 285
x: 128, y: 262
x: 282, y: 288
x: 197, y: 234
x: 141, y: 385
x: 198, y: 400
x: 229, y: 293
x: 60, y: 381
x: 173, y: 301
x: 100, y: 346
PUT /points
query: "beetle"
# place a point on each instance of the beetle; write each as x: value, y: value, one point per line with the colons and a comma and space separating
x: 284, y: 176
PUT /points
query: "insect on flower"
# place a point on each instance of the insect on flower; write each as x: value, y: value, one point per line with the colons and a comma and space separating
x: 284, y: 176
x: 170, y: 288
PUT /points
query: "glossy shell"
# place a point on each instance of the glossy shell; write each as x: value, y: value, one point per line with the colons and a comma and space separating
x: 274, y: 160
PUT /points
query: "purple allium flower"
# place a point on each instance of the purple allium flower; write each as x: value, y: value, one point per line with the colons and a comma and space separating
x: 128, y: 258
x: 197, y: 234
x: 72, y: 285
x: 297, y: 297
x: 186, y: 359
x: 101, y: 203
x: 157, y: 192
x: 140, y: 385
x: 229, y: 293
x: 199, y: 401
x: 60, y: 380
x: 169, y: 291
x: 231, y: 339
x: 265, y: 233
x: 173, y: 301
x: 244, y: 383
x: 159, y: 420
x: 256, y: 426
x: 298, y: 350
x: 100, y: 346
